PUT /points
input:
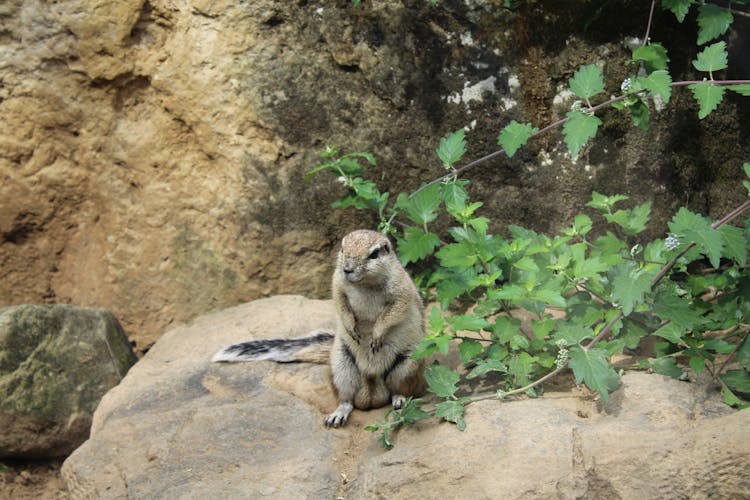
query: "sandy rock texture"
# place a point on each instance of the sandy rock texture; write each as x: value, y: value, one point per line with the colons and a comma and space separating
x: 152, y: 152
x: 56, y: 363
x: 179, y: 426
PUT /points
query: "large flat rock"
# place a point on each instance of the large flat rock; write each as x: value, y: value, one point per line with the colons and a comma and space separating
x: 179, y: 426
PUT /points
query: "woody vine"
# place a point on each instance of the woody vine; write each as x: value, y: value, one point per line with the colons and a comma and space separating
x: 590, y: 295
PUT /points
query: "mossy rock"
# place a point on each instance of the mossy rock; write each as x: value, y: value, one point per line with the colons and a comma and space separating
x: 56, y: 363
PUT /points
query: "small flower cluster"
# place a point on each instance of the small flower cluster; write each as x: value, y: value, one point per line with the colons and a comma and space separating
x: 626, y: 84
x: 562, y: 355
x: 672, y: 242
x: 346, y: 181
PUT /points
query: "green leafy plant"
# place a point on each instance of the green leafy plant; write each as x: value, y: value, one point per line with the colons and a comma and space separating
x: 588, y: 295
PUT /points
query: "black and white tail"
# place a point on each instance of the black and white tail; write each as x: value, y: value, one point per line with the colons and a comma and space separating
x: 314, y: 347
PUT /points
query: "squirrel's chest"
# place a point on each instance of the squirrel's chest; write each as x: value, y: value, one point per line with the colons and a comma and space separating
x: 367, y: 305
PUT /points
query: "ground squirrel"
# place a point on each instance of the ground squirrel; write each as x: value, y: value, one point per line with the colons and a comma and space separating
x: 380, y: 322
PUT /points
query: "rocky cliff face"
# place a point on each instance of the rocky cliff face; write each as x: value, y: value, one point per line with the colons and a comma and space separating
x: 152, y: 151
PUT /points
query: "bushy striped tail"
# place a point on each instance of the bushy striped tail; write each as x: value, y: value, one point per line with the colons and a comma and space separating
x: 314, y: 347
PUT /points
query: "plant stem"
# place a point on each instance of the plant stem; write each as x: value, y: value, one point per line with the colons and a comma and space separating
x: 561, y: 122
x: 648, y: 25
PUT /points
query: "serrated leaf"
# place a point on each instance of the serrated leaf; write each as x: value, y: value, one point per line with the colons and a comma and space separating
x: 629, y: 289
x: 713, y: 21
x: 456, y: 255
x: 694, y: 228
x: 572, y: 333
x: 743, y: 354
x: 441, y: 380
x: 587, y: 82
x: 712, y: 58
x: 422, y: 207
x: 671, y: 332
x: 469, y: 349
x: 452, y: 411
x: 653, y: 56
x: 526, y: 264
x: 515, y: 135
x: 590, y: 366
x: 468, y: 322
x: 520, y: 367
x: 742, y: 89
x: 632, y: 221
x: 454, y: 195
x: 485, y: 366
x: 579, y: 128
x: 679, y: 8
x: 677, y: 310
x: 432, y: 344
x: 708, y: 95
x: 666, y: 366
x: 737, y: 380
x: 436, y: 321
x: 452, y: 148
x: 659, y: 82
x: 735, y: 244
x: 416, y: 244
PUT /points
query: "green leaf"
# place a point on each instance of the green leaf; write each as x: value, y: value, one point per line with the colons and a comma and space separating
x: 712, y: 58
x: 582, y: 225
x: 485, y: 366
x: 467, y: 322
x: 653, y: 56
x: 695, y: 228
x: 659, y: 82
x: 436, y: 321
x: 454, y: 195
x: 452, y: 148
x: 587, y: 82
x: 735, y: 244
x: 605, y: 203
x: 708, y: 95
x: 666, y: 366
x: 713, y: 21
x: 633, y: 221
x: 593, y: 368
x: 432, y: 344
x: 579, y: 128
x: 422, y: 207
x: 526, y: 264
x: 629, y: 288
x: 671, y: 332
x: 678, y: 310
x: 452, y: 411
x: 520, y: 367
x: 441, y: 380
x: 743, y: 354
x: 515, y: 135
x: 416, y: 244
x: 742, y: 89
x: 469, y: 349
x: 679, y: 8
x: 457, y: 255
x: 737, y: 380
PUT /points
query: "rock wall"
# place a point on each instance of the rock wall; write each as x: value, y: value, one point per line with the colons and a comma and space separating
x: 152, y: 151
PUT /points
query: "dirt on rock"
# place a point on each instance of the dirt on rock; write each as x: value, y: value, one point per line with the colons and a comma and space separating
x: 39, y: 480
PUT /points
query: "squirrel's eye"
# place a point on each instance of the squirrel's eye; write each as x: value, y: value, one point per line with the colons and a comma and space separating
x: 374, y: 254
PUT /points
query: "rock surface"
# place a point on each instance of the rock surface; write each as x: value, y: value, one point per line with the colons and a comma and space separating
x: 152, y: 152
x: 179, y: 426
x: 56, y: 363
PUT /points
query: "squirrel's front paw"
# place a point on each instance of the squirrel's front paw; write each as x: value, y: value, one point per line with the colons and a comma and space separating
x: 375, y: 344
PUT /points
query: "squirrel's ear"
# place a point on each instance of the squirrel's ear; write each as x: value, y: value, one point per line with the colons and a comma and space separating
x: 387, y: 247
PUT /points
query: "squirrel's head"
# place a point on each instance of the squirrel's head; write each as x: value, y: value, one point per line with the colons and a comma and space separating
x: 366, y: 258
